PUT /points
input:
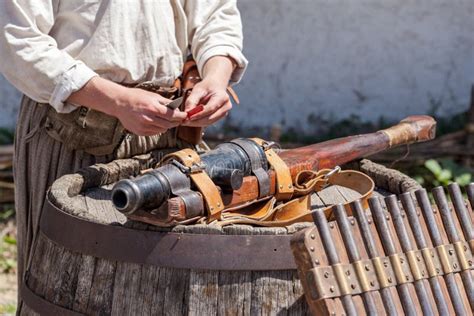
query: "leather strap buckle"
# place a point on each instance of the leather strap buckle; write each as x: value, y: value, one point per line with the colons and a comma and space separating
x: 190, y: 162
x: 194, y: 168
x: 335, y: 170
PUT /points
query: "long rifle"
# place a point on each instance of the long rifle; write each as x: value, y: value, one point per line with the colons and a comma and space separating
x: 240, y: 169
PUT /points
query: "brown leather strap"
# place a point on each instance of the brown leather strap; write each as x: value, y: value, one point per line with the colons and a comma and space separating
x: 167, y: 249
x: 205, y: 185
x: 284, y: 183
x: 42, y: 306
x: 299, y: 209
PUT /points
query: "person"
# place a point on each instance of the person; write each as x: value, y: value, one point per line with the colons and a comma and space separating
x: 74, y: 58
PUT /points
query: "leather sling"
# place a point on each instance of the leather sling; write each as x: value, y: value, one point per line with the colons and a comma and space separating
x: 203, y: 182
x: 284, y: 183
x: 299, y: 208
x: 264, y: 211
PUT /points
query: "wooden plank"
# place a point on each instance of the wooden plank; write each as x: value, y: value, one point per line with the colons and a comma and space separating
x: 235, y: 287
x: 270, y: 296
x: 95, y: 286
x: 202, y: 292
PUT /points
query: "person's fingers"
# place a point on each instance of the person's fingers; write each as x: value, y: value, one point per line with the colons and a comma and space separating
x: 215, y: 103
x: 162, y: 123
x: 147, y: 126
x: 212, y: 118
x: 194, y: 98
x: 162, y: 99
x: 172, y: 115
x: 158, y: 122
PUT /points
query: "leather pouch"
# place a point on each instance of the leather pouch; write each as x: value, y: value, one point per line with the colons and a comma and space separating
x: 92, y: 131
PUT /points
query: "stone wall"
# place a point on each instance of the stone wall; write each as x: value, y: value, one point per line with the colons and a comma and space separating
x: 313, y: 62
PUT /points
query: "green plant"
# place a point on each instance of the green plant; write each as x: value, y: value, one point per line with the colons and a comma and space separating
x: 6, y: 136
x: 6, y: 214
x: 7, y: 254
x: 443, y: 172
x: 8, y: 309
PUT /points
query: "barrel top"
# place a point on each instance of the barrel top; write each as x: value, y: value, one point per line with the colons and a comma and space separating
x: 86, y: 194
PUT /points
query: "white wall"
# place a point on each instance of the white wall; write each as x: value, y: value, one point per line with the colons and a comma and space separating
x: 9, y: 103
x: 323, y: 60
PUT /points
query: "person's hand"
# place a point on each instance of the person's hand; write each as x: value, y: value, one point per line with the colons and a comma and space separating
x: 141, y: 112
x: 145, y: 113
x: 211, y: 93
x: 213, y: 97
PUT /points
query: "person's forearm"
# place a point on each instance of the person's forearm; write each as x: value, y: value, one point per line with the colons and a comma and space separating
x: 99, y: 94
x: 219, y: 70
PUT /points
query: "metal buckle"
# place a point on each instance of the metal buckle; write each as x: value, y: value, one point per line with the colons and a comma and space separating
x: 180, y: 166
x: 187, y: 170
x: 335, y: 170
x: 266, y: 145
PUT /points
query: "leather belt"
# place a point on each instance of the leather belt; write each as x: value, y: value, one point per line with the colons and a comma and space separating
x: 167, y: 249
x: 42, y: 306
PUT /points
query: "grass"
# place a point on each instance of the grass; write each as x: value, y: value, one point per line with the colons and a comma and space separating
x: 8, y: 309
x: 7, y: 239
x: 8, y: 254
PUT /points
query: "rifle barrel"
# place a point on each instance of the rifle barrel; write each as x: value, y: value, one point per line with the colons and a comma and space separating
x: 392, y: 205
x: 427, y: 210
x: 352, y: 251
x: 362, y: 221
x: 389, y: 246
x: 331, y: 252
x: 453, y: 236
x: 412, y: 214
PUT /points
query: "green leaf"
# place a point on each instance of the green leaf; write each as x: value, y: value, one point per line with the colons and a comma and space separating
x: 445, y: 175
x: 419, y: 179
x: 463, y: 179
x: 433, y: 166
x: 6, y: 214
x: 9, y: 240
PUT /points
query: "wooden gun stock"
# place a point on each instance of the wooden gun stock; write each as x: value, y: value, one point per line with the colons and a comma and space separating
x: 342, y: 150
x: 320, y: 156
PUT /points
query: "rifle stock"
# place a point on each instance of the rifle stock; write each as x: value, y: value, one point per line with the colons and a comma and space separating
x: 335, y: 152
x: 323, y: 155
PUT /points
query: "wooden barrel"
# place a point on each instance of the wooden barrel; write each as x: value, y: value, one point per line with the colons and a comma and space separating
x: 89, y: 259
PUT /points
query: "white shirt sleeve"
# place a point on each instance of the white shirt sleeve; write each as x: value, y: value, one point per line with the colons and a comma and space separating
x: 215, y: 28
x: 31, y: 59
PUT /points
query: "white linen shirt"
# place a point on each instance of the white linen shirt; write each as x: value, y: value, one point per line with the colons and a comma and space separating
x: 52, y: 48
